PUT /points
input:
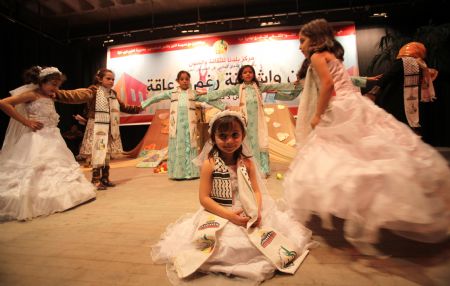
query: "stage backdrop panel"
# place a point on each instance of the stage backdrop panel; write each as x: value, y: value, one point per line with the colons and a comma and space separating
x: 146, y: 68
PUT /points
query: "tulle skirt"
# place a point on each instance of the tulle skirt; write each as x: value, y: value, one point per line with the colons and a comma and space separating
x: 39, y: 176
x: 362, y: 165
x: 234, y: 254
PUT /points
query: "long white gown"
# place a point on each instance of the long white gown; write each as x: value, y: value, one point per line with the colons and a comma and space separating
x: 235, y: 254
x: 364, y: 166
x: 38, y: 173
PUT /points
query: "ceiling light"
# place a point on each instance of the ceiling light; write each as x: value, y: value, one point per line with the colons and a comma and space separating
x: 379, y: 15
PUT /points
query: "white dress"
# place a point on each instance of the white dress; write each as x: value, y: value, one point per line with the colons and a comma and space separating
x: 38, y: 174
x: 235, y: 254
x: 364, y: 166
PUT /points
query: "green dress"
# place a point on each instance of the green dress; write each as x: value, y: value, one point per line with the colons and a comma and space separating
x: 283, y: 90
x: 181, y: 152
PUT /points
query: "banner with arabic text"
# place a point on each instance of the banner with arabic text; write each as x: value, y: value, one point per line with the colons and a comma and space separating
x: 144, y: 69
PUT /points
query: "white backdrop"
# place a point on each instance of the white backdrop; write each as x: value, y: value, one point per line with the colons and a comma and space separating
x: 213, y: 61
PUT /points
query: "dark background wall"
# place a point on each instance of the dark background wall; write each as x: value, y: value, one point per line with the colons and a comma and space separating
x: 23, y: 47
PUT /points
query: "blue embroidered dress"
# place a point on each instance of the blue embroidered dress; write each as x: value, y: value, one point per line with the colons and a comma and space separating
x: 182, y: 147
x: 284, y: 92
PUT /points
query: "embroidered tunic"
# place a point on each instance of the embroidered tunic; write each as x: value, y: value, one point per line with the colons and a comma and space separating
x: 182, y: 146
x: 284, y: 91
x: 88, y: 96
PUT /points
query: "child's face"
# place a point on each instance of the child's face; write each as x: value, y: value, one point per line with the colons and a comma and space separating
x: 107, y: 81
x: 304, y: 44
x: 184, y: 81
x: 247, y: 75
x: 50, y: 87
x: 229, y: 141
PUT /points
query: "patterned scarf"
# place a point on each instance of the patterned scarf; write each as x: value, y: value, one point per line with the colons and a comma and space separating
x: 107, y: 114
x: 263, y: 136
x: 282, y: 252
x: 411, y: 86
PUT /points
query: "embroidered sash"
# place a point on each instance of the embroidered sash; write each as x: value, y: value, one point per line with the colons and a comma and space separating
x: 263, y: 136
x: 107, y: 114
x: 272, y: 244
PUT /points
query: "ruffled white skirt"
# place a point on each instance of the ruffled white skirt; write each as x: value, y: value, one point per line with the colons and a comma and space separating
x: 39, y: 176
x: 234, y: 254
x: 362, y: 165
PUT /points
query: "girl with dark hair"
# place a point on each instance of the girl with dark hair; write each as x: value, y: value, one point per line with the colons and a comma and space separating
x: 359, y: 163
x: 183, y: 133
x: 102, y: 135
x: 38, y: 173
x: 238, y: 231
x: 251, y: 105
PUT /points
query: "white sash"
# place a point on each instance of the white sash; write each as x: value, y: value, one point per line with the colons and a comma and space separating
x: 263, y: 136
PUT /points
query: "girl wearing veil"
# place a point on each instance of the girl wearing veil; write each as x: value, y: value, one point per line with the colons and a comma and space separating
x: 38, y: 173
x: 238, y: 230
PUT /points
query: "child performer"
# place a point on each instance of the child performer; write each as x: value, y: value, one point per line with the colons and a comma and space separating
x: 102, y: 134
x: 233, y: 233
x: 38, y: 173
x: 359, y: 163
x: 183, y: 131
x: 251, y: 106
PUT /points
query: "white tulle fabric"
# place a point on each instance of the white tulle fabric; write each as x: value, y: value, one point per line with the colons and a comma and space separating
x: 15, y: 128
x: 38, y: 174
x: 362, y: 165
x: 235, y: 254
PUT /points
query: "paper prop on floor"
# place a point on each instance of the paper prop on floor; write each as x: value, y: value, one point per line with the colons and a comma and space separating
x: 152, y: 158
x: 282, y: 136
x: 161, y: 168
x: 280, y: 106
x: 268, y: 110
x: 291, y: 142
x: 276, y: 124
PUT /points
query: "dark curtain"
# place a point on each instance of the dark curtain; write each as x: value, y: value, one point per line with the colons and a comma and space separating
x: 22, y: 48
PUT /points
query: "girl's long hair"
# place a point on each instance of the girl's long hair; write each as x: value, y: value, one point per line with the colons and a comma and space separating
x: 31, y: 75
x: 241, y: 71
x: 321, y: 37
x: 225, y: 124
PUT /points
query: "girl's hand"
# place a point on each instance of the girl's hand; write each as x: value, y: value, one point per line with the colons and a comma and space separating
x: 238, y: 219
x: 258, y: 221
x: 34, y: 125
x: 315, y: 120
x: 80, y: 119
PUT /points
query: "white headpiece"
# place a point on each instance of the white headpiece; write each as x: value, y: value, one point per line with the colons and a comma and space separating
x: 50, y: 70
x: 223, y: 113
x: 198, y: 161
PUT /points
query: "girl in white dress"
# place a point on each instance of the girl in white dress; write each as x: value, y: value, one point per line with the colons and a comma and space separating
x: 233, y: 232
x: 38, y: 173
x: 359, y: 163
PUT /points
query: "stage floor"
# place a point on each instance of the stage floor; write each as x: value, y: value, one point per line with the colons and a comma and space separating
x: 107, y: 242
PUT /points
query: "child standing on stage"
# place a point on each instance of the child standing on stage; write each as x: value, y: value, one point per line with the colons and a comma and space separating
x: 102, y: 134
x: 183, y: 131
x: 359, y: 163
x: 251, y: 106
x: 38, y: 173
x: 233, y: 233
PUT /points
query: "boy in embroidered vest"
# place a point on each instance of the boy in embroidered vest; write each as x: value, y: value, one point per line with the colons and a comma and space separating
x: 102, y: 135
x: 183, y: 131
x: 239, y: 230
